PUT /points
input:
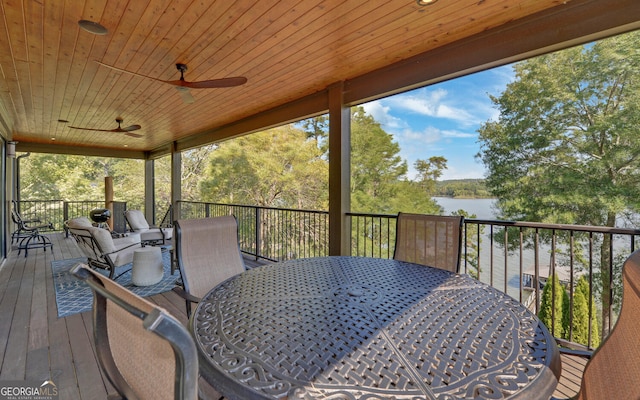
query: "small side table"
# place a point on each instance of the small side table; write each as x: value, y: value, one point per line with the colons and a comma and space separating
x: 147, y: 266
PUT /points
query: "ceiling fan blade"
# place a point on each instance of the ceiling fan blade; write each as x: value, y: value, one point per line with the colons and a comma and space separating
x: 212, y: 83
x: 129, y: 72
x: 208, y: 84
x: 91, y: 129
x: 126, y: 131
x: 131, y: 128
x: 186, y: 95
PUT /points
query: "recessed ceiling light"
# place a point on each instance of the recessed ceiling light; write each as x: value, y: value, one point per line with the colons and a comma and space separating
x: 92, y: 27
x: 425, y: 2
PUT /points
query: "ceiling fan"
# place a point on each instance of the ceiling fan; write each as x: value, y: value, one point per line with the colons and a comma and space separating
x: 183, y: 86
x: 127, y: 130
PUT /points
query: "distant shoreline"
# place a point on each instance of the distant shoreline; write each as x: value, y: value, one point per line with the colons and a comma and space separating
x: 467, y: 197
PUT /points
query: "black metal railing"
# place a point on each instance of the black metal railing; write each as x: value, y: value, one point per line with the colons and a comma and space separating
x: 513, y: 256
x: 58, y: 211
x: 275, y: 234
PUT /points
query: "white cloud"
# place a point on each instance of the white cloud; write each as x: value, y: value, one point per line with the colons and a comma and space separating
x: 443, y: 119
x: 436, y: 103
x: 381, y: 114
x: 459, y: 135
x: 430, y: 135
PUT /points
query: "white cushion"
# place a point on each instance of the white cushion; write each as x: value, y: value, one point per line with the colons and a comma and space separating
x: 137, y: 221
x: 79, y: 222
x: 104, y: 239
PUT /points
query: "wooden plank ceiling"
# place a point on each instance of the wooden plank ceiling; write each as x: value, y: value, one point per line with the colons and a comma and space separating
x: 286, y: 49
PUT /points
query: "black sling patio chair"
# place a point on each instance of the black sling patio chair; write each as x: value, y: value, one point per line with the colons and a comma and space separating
x: 28, y: 233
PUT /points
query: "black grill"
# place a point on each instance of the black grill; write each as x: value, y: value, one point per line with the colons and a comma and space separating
x: 100, y: 215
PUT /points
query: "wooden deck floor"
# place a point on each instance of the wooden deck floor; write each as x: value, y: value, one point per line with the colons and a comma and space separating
x: 37, y: 345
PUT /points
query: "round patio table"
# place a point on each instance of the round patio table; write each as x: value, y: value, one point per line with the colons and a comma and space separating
x: 367, y: 328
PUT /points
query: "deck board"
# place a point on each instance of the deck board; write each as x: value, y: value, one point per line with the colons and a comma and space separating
x: 36, y: 344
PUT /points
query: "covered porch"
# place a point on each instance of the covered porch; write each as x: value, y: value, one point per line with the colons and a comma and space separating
x: 34, y: 342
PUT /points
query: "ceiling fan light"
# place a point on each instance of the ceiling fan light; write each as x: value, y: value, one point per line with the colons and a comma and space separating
x: 92, y: 27
x: 186, y: 95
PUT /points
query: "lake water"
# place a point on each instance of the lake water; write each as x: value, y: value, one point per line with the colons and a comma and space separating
x: 504, y: 271
x: 483, y: 208
x: 504, y: 274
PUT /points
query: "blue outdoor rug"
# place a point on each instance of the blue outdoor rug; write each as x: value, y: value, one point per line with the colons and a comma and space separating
x: 74, y: 296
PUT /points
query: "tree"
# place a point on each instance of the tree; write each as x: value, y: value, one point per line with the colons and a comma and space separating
x: 376, y: 166
x: 580, y: 326
x: 194, y: 161
x: 429, y: 171
x: 471, y: 241
x: 64, y: 177
x: 275, y: 168
x: 565, y: 148
x: 552, y: 310
x: 378, y: 173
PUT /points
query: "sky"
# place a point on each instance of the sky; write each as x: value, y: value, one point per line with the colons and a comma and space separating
x: 443, y: 120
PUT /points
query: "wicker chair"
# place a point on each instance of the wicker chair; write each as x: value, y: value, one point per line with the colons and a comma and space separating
x: 432, y: 240
x: 613, y: 369
x: 148, y: 234
x: 207, y: 253
x: 145, y: 352
x: 101, y: 249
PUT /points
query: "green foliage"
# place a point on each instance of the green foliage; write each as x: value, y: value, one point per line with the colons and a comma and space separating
x: 462, y: 188
x: 471, y: 242
x: 429, y: 171
x: 580, y: 327
x: 376, y: 166
x: 78, y: 178
x: 276, y: 168
x: 552, y: 310
x: 566, y: 138
x: 378, y: 183
x: 565, y: 148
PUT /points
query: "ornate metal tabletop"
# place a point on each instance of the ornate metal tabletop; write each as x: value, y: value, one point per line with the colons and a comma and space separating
x: 366, y: 328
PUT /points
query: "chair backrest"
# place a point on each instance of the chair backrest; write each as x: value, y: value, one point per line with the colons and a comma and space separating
x: 136, y: 220
x: 144, y: 351
x: 27, y: 224
x: 207, y: 252
x: 432, y: 240
x: 101, y: 249
x: 613, y: 372
x: 96, y: 239
x: 17, y: 219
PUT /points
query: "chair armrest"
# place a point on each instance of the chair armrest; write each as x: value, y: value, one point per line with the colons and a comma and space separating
x: 189, y: 297
x: 126, y: 241
x: 129, y: 245
x: 573, y: 349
